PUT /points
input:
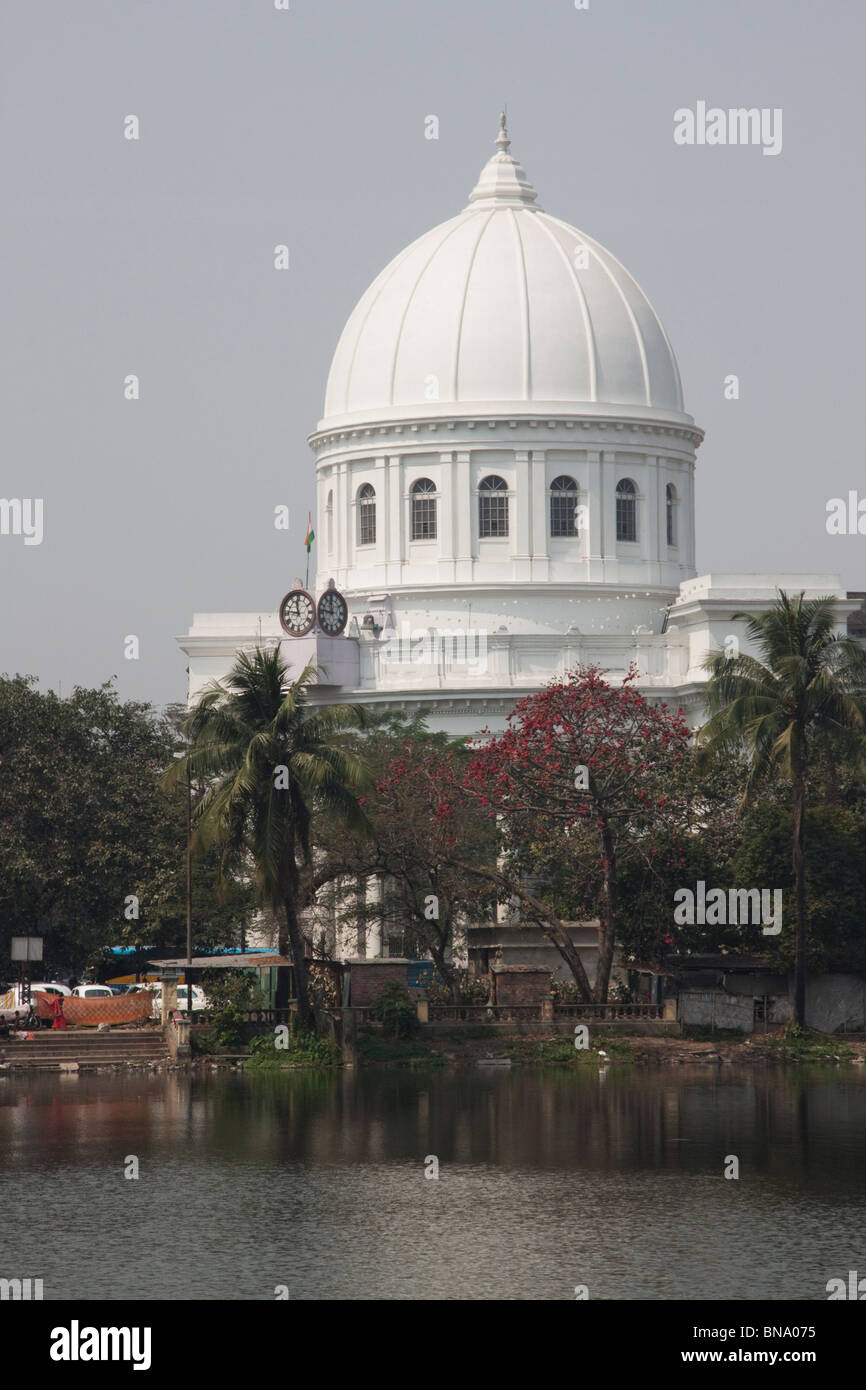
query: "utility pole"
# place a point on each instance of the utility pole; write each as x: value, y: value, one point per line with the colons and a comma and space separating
x: 189, y: 886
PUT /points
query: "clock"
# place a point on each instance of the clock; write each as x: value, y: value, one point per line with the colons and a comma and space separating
x: 333, y: 612
x: 297, y: 613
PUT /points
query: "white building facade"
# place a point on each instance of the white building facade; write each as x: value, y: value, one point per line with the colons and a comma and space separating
x: 505, y: 483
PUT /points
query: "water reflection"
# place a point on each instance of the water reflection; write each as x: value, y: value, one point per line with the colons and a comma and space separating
x: 546, y: 1180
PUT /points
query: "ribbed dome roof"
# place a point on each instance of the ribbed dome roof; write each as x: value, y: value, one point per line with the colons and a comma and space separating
x: 502, y: 306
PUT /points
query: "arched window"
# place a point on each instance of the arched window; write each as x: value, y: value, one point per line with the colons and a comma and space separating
x: 671, y: 513
x: 423, y: 494
x: 493, y: 507
x: 626, y: 510
x: 367, y: 515
x: 563, y: 507
x: 329, y: 522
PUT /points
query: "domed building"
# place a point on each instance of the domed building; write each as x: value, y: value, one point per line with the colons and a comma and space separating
x: 505, y: 483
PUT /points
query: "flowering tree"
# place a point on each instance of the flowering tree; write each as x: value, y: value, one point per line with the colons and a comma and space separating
x: 430, y: 800
x: 588, y: 782
x: 417, y: 817
x: 584, y: 780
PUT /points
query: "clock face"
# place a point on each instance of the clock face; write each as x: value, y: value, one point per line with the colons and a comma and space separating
x: 333, y: 612
x: 297, y: 613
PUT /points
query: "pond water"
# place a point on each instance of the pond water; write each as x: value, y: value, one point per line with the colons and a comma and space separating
x: 547, y: 1180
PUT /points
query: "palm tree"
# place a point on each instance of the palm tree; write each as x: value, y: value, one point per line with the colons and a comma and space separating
x: 270, y: 762
x: 809, y: 685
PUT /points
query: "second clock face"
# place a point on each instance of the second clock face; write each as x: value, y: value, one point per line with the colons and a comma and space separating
x: 333, y: 612
x: 297, y: 613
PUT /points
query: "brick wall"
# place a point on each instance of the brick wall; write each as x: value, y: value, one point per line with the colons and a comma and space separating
x: 368, y: 980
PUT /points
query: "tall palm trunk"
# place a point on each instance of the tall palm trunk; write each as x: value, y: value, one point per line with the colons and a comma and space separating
x: 294, y: 941
x: 798, y: 782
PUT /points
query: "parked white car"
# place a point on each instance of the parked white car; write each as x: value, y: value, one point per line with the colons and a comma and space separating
x: 12, y: 1000
x: 199, y: 999
x: 92, y: 992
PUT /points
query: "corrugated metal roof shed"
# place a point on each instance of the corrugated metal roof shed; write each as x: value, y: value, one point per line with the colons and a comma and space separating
x: 238, y: 962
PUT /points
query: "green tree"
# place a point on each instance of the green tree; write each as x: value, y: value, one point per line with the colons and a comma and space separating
x: 807, y: 689
x: 270, y: 763
x: 91, y: 848
x: 676, y: 854
x: 835, y: 882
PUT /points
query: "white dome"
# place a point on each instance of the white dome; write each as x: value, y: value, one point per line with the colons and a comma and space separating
x: 502, y: 307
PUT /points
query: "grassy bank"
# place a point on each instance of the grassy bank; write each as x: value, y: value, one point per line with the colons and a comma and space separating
x: 479, y: 1046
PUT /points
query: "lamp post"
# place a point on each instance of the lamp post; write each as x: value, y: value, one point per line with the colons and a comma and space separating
x: 188, y: 880
x: 189, y: 887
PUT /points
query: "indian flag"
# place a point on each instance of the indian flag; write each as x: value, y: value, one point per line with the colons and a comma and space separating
x: 311, y: 535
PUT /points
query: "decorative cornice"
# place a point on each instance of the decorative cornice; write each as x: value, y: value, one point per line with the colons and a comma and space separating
x: 476, y: 702
x: 356, y: 435
x: 704, y: 605
x: 614, y: 592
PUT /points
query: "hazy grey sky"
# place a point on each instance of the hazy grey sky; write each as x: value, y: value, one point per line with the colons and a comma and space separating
x: 306, y: 127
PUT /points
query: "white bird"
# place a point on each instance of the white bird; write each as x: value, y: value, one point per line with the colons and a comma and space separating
x: 601, y: 1053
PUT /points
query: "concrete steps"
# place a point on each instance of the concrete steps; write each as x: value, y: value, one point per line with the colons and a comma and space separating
x: 53, y: 1049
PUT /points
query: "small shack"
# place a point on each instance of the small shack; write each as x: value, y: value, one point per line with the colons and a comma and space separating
x: 750, y: 994
x: 262, y: 964
x: 520, y: 984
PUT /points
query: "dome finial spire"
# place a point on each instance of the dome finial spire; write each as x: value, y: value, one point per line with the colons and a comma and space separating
x: 502, y: 141
x: 503, y: 183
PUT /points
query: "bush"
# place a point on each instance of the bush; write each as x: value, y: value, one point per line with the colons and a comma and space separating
x: 619, y: 993
x: 395, y: 1011
x: 304, y: 1047
x: 313, y: 1048
x: 470, y: 989
x: 323, y: 982
x: 565, y: 991
x: 228, y: 1027
x: 236, y: 988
